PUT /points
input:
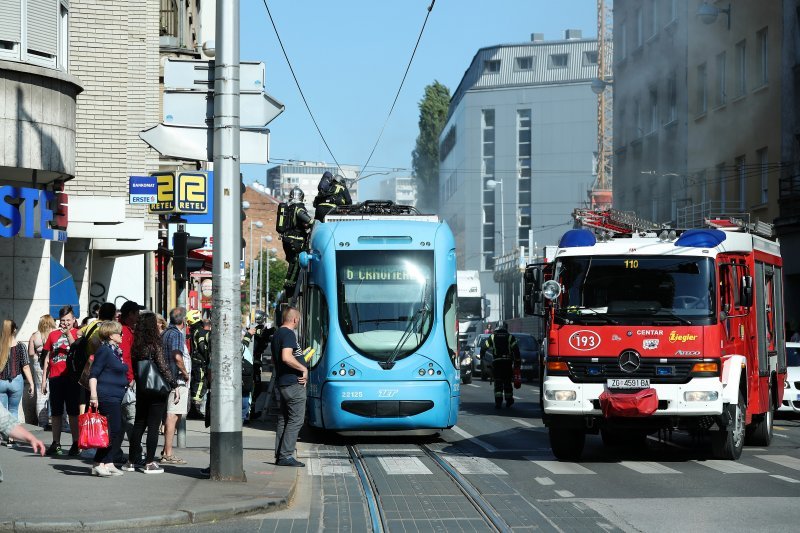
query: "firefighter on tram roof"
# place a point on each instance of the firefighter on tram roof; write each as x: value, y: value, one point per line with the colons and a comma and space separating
x: 294, y: 225
x: 331, y: 193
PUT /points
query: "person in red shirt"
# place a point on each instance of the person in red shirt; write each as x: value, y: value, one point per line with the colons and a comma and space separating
x: 63, y: 390
x: 128, y: 316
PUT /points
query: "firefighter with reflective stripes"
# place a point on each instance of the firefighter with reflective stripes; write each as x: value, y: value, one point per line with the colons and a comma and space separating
x: 294, y: 226
x: 200, y: 351
x: 506, y: 358
x: 331, y: 193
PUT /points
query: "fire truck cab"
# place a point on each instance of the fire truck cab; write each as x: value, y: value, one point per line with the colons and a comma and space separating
x: 651, y: 328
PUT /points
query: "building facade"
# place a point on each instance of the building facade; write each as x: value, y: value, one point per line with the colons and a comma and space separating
x: 650, y: 108
x: 306, y: 174
x: 38, y: 93
x: 400, y: 190
x: 517, y: 150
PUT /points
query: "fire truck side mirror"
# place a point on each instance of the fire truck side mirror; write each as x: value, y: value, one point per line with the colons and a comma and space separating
x: 746, y: 295
x: 533, y: 289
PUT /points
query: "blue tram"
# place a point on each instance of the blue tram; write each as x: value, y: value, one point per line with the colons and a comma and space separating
x: 378, y: 299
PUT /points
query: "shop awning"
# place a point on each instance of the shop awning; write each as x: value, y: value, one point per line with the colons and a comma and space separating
x: 62, y: 290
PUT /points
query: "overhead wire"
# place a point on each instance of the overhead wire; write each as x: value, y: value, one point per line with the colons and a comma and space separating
x: 397, y: 95
x: 297, y: 82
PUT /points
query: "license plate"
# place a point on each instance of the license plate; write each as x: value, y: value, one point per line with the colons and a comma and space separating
x: 628, y: 383
x: 527, y: 367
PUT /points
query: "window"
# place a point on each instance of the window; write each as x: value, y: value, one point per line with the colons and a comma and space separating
x: 763, y: 169
x: 590, y: 58
x: 741, y: 172
x: 723, y: 189
x: 721, y: 77
x: 487, y: 173
x: 450, y: 322
x: 639, y: 28
x: 762, y: 68
x: 672, y: 98
x: 559, y: 60
x: 702, y: 90
x: 492, y: 66
x: 653, y: 18
x: 316, y: 324
x: 524, y: 177
x: 524, y: 63
x: 741, y: 68
x: 623, y: 41
x: 448, y: 143
x: 653, y: 111
x: 34, y: 31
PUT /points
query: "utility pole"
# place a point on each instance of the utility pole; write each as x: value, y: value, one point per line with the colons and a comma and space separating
x: 226, y: 363
x: 180, y: 293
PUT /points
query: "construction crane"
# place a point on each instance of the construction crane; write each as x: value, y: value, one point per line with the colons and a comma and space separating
x: 600, y: 195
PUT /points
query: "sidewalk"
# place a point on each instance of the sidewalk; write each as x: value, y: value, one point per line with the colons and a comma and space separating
x: 59, y: 494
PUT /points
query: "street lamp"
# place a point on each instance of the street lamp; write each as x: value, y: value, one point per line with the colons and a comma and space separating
x: 258, y: 224
x: 599, y: 85
x: 708, y: 14
x: 267, y: 238
x: 493, y: 184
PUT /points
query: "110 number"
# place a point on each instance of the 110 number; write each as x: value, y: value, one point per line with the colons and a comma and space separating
x: 631, y: 263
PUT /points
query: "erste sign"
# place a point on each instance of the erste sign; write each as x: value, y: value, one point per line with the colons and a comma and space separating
x: 33, y: 213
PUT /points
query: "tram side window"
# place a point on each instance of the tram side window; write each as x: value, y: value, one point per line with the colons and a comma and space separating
x: 316, y: 324
x: 450, y: 324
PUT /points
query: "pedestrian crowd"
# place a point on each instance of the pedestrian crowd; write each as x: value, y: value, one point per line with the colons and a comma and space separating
x: 123, y: 350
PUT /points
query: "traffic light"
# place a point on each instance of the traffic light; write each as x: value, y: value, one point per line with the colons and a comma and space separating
x: 183, y: 243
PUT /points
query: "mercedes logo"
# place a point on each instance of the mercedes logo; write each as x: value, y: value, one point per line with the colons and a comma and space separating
x: 629, y: 361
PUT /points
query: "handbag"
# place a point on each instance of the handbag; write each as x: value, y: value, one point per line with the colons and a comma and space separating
x: 130, y: 395
x: 149, y: 380
x: 92, y: 430
x: 87, y: 371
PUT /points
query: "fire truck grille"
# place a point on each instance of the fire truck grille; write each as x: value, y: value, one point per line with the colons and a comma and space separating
x: 671, y: 371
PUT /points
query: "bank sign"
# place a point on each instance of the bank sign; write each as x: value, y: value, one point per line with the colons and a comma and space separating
x: 33, y: 213
x: 142, y: 190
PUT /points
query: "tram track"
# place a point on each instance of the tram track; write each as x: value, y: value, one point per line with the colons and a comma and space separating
x: 378, y: 516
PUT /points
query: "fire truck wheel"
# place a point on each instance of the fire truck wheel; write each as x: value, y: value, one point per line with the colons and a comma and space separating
x: 759, y: 433
x: 567, y: 444
x: 727, y: 443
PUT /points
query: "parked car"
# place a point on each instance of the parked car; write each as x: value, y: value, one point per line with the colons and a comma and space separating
x: 476, y: 354
x: 528, y: 351
x: 791, y: 387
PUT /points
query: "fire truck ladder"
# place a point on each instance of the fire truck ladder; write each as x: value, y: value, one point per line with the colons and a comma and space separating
x: 759, y: 227
x: 613, y: 221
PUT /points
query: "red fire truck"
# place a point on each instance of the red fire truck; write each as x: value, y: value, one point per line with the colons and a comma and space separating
x: 651, y: 328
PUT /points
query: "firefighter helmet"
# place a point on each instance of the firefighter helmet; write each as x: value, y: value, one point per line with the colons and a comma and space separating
x: 193, y: 316
x: 260, y: 316
x: 296, y: 195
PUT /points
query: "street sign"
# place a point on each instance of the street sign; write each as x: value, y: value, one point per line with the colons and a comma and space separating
x: 197, y: 144
x: 198, y: 75
x: 186, y: 192
x: 182, y: 108
x: 142, y: 189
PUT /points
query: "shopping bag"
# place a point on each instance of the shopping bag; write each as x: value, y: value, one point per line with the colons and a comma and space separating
x: 517, y: 377
x: 92, y: 430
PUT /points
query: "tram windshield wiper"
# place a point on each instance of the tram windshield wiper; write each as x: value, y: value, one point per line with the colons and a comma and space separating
x: 414, y: 326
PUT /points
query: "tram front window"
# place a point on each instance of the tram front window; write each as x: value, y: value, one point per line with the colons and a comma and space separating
x: 385, y: 301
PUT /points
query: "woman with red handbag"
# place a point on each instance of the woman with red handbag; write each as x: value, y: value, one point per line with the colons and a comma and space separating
x: 108, y: 380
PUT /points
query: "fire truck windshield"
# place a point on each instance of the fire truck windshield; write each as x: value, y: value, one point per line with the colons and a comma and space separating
x: 637, y: 289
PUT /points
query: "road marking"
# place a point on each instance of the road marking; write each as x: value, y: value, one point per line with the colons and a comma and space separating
x: 557, y: 467
x: 327, y: 467
x: 565, y: 494
x: 784, y: 478
x: 485, y: 445
x: 400, y: 466
x: 473, y: 385
x: 412, y: 451
x: 523, y: 423
x: 473, y: 465
x: 781, y: 436
x: 648, y: 467
x: 783, y: 460
x: 779, y: 428
x: 729, y: 467
x: 545, y: 481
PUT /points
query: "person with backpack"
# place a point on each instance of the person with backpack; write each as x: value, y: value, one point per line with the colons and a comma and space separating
x: 294, y: 225
x: 64, y: 390
x: 199, y: 334
x: 331, y: 193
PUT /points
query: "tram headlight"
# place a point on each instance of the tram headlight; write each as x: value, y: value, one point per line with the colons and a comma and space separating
x: 352, y: 372
x: 430, y: 372
x: 421, y: 371
x: 342, y: 372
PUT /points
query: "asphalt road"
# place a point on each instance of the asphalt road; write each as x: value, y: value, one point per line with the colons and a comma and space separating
x: 673, y: 485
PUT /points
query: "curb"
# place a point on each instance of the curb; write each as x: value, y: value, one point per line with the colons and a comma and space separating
x: 175, y: 518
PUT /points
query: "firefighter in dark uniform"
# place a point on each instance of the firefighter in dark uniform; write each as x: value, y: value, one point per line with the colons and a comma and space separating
x: 261, y: 338
x: 295, y: 237
x: 200, y: 352
x: 506, y: 358
x: 331, y: 193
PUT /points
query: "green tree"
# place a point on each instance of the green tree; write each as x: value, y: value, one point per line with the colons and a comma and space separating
x: 425, y: 157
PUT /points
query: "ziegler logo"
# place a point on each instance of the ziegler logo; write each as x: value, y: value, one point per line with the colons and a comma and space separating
x: 675, y: 337
x: 387, y: 393
x: 584, y: 340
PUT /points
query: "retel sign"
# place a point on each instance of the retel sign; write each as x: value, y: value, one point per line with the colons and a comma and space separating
x: 33, y: 213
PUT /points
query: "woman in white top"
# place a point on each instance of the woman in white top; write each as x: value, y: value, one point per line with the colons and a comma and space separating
x: 35, y: 344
